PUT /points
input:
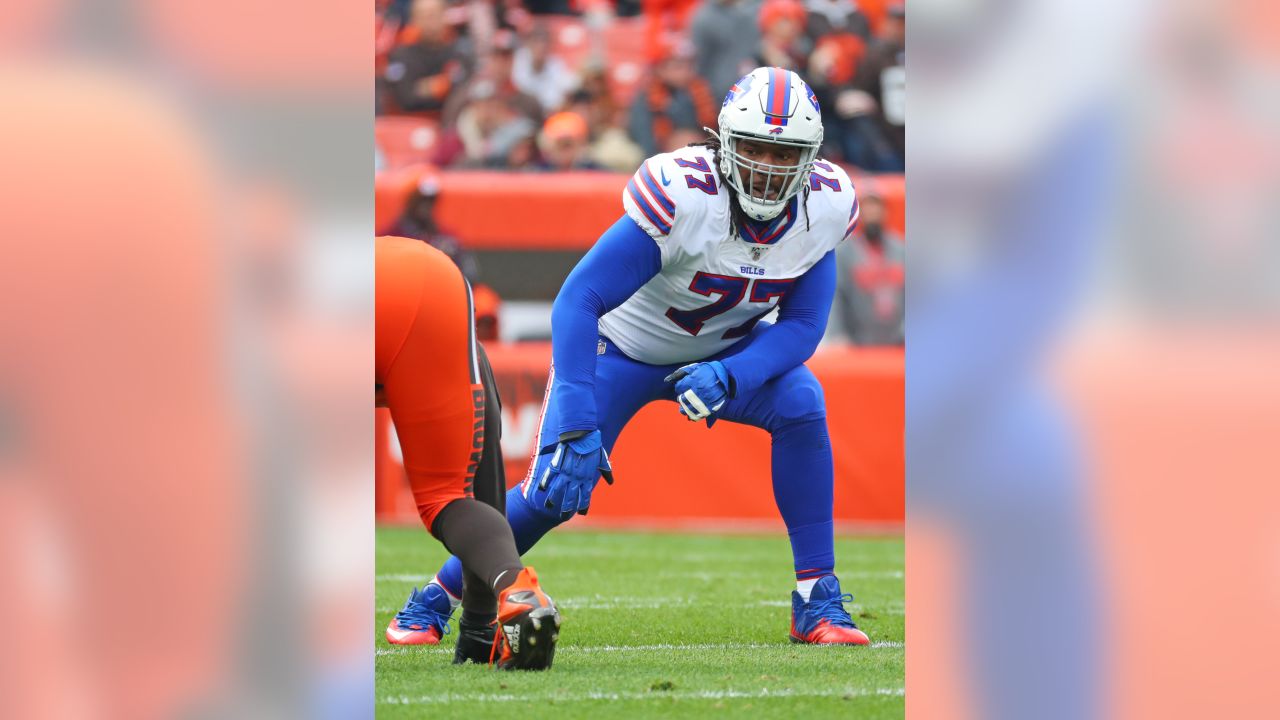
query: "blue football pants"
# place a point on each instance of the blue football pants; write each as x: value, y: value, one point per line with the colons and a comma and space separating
x: 790, y: 407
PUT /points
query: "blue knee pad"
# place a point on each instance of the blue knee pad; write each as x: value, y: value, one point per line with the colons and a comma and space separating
x: 799, y: 398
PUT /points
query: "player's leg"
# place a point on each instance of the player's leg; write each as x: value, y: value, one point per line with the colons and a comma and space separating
x: 475, y: 626
x: 791, y: 407
x: 429, y: 373
x: 623, y: 386
x: 430, y: 378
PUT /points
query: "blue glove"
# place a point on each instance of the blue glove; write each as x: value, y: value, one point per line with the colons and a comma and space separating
x: 576, y: 466
x: 701, y: 389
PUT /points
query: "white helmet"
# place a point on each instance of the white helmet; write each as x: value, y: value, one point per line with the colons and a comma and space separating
x: 771, y: 105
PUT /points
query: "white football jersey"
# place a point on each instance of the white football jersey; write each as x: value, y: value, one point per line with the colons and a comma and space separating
x: 713, y: 288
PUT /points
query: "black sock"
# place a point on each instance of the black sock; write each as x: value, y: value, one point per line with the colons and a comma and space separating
x: 477, y: 619
x: 478, y: 598
x: 480, y: 537
x: 475, y: 637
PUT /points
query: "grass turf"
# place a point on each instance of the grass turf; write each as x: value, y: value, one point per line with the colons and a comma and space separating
x: 658, y: 625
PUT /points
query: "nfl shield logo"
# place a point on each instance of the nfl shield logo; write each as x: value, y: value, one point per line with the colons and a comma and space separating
x: 756, y: 252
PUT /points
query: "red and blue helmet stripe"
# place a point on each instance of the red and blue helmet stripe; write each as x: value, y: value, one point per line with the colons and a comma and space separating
x: 813, y: 98
x: 778, y: 103
x: 740, y: 87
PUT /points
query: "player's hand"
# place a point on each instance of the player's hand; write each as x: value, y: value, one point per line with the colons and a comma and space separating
x: 578, y: 463
x: 701, y: 389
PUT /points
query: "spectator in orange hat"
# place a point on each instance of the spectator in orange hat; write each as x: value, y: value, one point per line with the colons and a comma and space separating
x: 674, y: 99
x: 564, y: 142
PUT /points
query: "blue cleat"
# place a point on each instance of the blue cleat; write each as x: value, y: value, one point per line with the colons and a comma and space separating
x: 823, y: 620
x: 424, y: 618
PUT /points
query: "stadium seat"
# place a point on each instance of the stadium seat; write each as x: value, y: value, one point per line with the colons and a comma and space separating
x: 622, y: 44
x: 404, y: 140
x: 570, y: 40
x: 624, y: 40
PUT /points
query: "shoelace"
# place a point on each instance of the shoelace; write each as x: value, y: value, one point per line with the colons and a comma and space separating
x: 416, y: 613
x: 832, y: 609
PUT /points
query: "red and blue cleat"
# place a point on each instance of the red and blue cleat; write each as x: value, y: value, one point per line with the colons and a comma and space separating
x: 424, y: 618
x: 823, y: 620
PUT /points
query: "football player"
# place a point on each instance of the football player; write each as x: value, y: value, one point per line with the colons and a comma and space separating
x: 432, y: 375
x: 670, y: 302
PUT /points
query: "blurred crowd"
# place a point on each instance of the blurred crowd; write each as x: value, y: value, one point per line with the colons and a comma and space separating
x: 560, y: 85
x: 583, y: 85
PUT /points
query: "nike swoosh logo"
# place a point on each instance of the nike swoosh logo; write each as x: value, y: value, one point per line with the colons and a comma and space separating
x: 663, y: 173
x: 399, y: 634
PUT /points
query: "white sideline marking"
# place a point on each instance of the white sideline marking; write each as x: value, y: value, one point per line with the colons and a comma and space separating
x: 674, y: 694
x: 589, y: 649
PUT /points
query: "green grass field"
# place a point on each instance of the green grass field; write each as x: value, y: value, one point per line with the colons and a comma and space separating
x: 659, y: 625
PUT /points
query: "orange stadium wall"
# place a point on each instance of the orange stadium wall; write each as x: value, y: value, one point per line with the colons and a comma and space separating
x: 555, y: 211
x: 671, y: 473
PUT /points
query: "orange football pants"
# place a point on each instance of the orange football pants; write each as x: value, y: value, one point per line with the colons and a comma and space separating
x: 427, y: 370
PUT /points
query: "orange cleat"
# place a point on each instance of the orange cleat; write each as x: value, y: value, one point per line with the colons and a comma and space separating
x: 528, y: 626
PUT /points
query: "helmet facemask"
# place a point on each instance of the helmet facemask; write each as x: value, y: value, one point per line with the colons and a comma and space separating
x: 763, y: 189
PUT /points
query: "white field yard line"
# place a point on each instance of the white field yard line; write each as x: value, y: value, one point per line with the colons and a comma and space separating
x: 655, y: 695
x: 852, y: 575
x: 677, y: 602
x: 588, y: 649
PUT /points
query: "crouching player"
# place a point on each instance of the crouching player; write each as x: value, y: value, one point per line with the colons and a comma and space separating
x: 432, y: 375
x: 669, y: 304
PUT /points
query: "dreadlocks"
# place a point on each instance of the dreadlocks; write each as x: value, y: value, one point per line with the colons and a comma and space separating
x: 738, y: 216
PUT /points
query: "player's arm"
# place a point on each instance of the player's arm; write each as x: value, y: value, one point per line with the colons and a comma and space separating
x: 619, y: 264
x: 802, y: 320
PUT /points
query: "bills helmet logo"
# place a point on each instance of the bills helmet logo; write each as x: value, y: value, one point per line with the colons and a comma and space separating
x: 775, y: 131
x: 813, y: 98
x: 738, y: 89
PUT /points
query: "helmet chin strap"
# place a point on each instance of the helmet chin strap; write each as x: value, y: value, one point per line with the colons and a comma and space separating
x: 757, y: 208
x: 751, y: 213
